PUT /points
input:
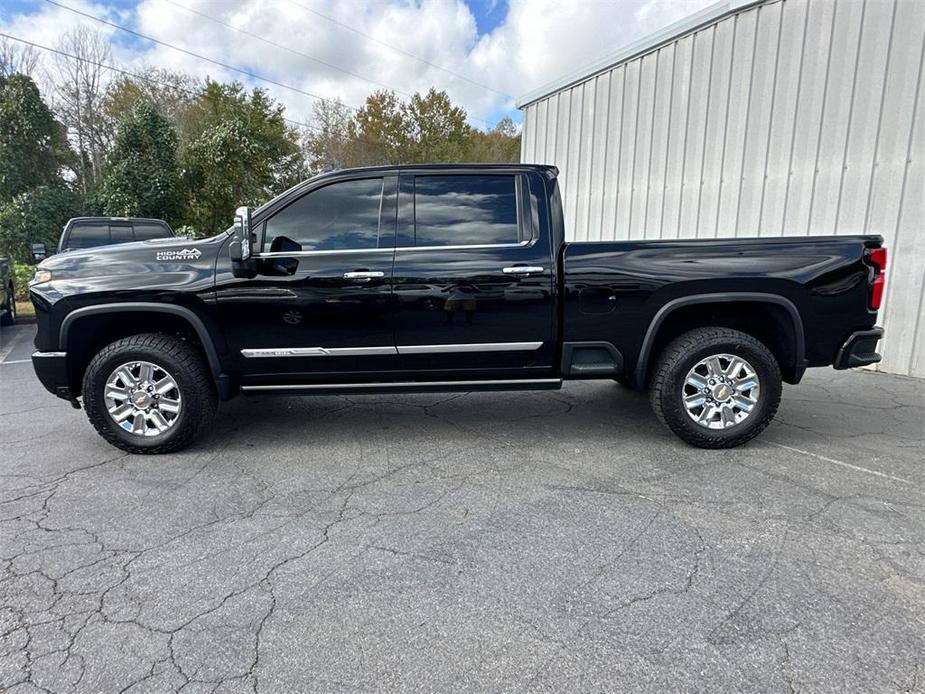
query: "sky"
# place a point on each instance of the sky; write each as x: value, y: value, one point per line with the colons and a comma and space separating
x: 484, y: 53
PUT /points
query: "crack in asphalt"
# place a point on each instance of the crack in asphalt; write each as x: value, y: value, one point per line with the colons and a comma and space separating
x: 478, y: 526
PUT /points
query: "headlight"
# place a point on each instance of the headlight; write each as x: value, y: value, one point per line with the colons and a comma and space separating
x: 40, y: 277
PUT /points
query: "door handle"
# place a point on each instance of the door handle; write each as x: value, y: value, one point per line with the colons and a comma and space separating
x: 521, y: 270
x: 363, y: 275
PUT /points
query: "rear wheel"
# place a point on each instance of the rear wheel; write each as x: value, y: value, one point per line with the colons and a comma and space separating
x: 149, y: 393
x: 716, y: 387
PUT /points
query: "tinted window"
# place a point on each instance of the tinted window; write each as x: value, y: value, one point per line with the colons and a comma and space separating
x: 88, y: 235
x: 342, y: 215
x: 143, y: 232
x: 120, y: 233
x: 465, y: 210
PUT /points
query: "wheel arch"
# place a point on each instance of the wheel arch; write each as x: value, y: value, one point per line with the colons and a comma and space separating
x: 793, y: 367
x: 187, y: 315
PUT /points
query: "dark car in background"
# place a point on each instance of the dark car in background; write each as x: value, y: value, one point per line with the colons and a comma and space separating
x: 7, y: 293
x: 90, y: 232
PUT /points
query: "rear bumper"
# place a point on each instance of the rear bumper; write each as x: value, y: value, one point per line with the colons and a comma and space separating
x: 859, y: 349
x: 51, y: 368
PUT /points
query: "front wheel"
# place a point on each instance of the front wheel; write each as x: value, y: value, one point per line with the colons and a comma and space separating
x: 716, y: 387
x: 149, y: 393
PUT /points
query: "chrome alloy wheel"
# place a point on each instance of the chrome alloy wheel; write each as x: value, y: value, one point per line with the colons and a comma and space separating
x: 142, y: 398
x: 721, y: 391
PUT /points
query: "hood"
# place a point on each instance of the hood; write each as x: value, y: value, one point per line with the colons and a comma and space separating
x: 158, y: 264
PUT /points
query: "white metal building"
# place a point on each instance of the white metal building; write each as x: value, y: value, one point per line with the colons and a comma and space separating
x: 771, y: 118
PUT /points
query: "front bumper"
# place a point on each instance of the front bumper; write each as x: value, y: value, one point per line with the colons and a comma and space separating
x: 51, y: 368
x: 859, y: 349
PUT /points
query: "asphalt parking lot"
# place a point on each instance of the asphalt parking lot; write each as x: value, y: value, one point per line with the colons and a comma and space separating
x: 557, y: 541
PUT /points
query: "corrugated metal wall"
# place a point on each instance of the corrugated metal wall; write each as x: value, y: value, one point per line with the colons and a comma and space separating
x: 789, y: 118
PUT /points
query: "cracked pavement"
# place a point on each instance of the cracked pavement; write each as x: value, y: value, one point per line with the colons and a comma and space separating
x: 538, y: 541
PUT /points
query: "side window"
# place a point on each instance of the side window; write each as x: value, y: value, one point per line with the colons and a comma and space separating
x: 465, y: 210
x: 88, y: 236
x: 120, y: 233
x: 144, y: 232
x: 340, y: 216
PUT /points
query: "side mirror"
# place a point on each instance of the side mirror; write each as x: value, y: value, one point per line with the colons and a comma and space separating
x: 38, y: 252
x: 241, y: 247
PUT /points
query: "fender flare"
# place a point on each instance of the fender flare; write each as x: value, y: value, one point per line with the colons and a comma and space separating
x: 186, y: 314
x: 639, y: 374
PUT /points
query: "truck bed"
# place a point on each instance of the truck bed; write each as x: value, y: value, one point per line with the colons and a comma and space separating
x: 616, y: 290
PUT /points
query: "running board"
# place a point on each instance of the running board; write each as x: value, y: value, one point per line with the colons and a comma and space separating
x: 408, y: 387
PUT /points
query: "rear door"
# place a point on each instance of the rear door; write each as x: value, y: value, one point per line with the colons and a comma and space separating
x: 473, y: 278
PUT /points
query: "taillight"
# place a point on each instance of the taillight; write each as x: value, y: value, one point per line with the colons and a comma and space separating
x: 878, y: 260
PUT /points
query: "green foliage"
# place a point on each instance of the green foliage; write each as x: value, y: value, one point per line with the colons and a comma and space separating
x: 427, y: 128
x: 500, y: 144
x: 143, y: 174
x: 171, y: 93
x: 378, y: 133
x: 22, y: 275
x: 436, y: 130
x: 33, y: 146
x: 238, y: 151
x: 36, y: 216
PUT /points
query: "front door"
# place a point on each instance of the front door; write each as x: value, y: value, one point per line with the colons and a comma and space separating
x: 473, y: 278
x: 319, y: 309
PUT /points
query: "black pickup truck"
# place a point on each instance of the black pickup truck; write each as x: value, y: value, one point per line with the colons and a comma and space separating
x: 445, y: 278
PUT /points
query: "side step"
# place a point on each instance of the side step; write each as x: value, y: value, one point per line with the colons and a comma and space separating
x: 407, y: 387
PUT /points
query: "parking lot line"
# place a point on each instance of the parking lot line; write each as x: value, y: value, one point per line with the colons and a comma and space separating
x: 7, y: 348
x: 16, y: 361
x: 826, y: 459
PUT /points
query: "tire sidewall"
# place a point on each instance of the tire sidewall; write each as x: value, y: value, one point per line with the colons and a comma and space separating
x: 768, y: 376
x: 94, y: 387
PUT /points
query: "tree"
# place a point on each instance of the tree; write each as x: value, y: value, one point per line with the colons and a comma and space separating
x: 238, y: 151
x: 436, y: 129
x: 33, y: 146
x: 79, y: 93
x: 17, y: 58
x: 38, y: 215
x: 143, y: 174
x: 330, y: 144
x: 171, y: 93
x: 427, y: 128
x: 378, y: 131
x: 500, y: 144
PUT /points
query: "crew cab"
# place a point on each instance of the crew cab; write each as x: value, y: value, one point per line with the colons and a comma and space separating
x: 445, y: 278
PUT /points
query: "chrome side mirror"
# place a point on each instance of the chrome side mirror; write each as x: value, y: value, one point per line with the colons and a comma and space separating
x: 241, y: 247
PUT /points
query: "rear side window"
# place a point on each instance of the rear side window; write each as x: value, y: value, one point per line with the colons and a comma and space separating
x: 88, y: 236
x: 465, y: 210
x: 340, y: 216
x: 145, y: 232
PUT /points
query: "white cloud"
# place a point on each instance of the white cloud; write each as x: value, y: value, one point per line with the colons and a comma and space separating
x: 538, y: 41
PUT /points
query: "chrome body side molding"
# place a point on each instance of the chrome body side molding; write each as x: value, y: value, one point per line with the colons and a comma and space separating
x: 277, y: 352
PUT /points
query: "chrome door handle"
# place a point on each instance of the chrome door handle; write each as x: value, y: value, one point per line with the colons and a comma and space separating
x: 363, y: 275
x: 521, y: 270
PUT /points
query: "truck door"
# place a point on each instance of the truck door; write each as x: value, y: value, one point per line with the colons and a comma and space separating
x: 319, y: 309
x: 473, y: 280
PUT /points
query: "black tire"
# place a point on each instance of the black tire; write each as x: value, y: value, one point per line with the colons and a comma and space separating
x: 682, y: 354
x: 9, y: 315
x: 187, y: 367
